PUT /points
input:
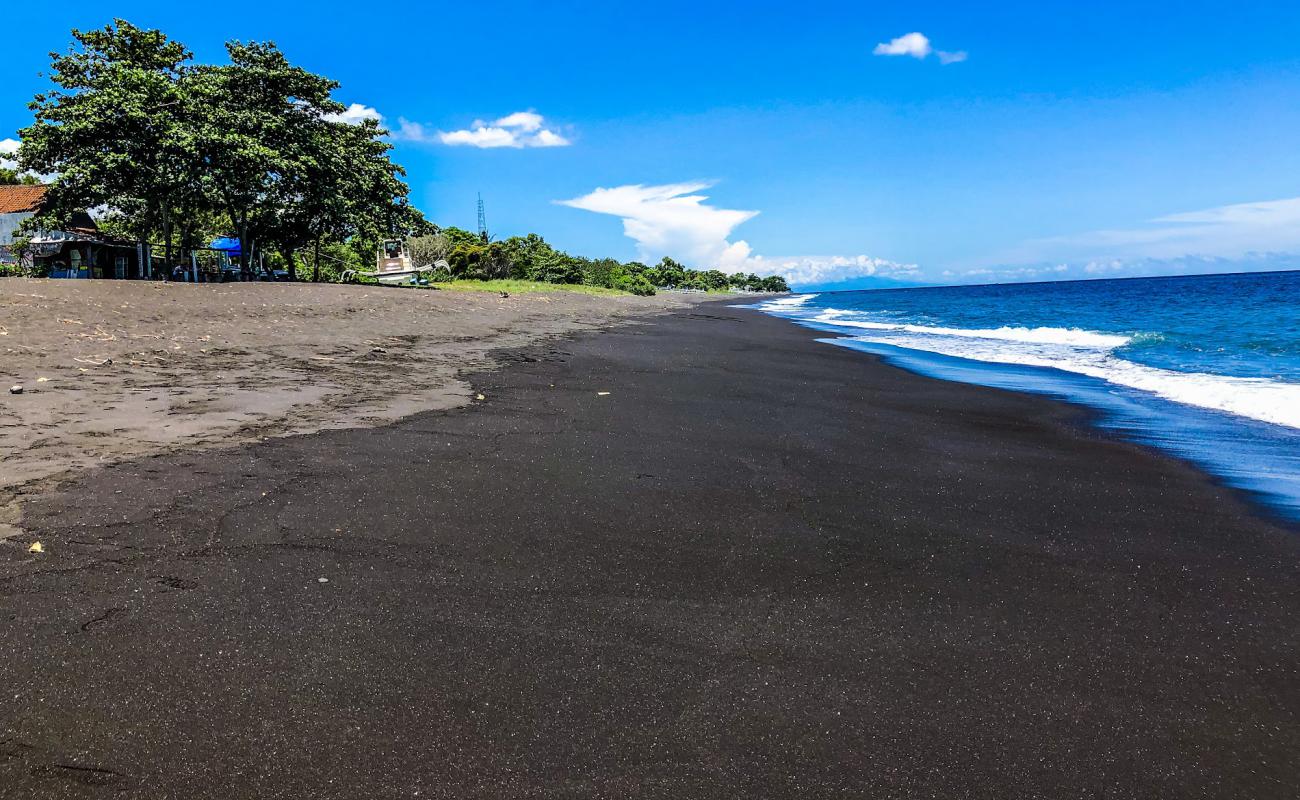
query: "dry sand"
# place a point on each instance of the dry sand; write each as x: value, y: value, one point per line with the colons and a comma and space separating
x: 117, y: 369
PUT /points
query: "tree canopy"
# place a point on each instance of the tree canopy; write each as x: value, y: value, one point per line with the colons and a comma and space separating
x: 134, y: 126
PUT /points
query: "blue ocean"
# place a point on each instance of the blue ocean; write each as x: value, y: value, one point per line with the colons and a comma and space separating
x: 1206, y: 367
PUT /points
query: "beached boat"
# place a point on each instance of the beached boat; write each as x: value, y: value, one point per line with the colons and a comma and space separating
x: 393, y: 266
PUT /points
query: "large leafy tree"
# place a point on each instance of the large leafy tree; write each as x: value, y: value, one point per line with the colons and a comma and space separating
x: 169, y: 147
x: 254, y: 124
x: 111, y: 128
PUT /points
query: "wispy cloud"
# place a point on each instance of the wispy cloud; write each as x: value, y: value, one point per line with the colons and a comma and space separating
x: 675, y: 220
x: 1230, y: 231
x: 1239, y: 237
x: 918, y: 46
x: 520, y: 129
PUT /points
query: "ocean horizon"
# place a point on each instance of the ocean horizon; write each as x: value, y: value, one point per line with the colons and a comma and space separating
x: 1206, y: 367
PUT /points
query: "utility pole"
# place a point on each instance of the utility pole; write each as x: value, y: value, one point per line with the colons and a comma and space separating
x: 482, y: 219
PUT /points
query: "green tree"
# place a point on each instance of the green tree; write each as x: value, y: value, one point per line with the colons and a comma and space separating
x: 257, y: 126
x: 12, y: 177
x: 669, y: 273
x: 714, y: 280
x: 109, y: 129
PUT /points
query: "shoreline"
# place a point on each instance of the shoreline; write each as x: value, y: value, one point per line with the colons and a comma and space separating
x: 1278, y: 504
x: 759, y: 565
x: 1249, y: 454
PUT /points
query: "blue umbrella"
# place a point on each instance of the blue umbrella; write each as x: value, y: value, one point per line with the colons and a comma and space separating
x: 227, y: 244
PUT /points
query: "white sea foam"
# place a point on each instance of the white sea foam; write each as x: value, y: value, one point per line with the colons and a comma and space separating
x: 1067, y: 336
x: 1074, y: 350
x: 786, y: 303
x: 1262, y: 399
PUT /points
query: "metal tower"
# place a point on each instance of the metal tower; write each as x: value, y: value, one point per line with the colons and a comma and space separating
x: 482, y: 219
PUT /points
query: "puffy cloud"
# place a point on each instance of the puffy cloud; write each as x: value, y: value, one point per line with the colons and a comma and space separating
x: 916, y: 45
x: 480, y: 137
x: 672, y: 220
x: 355, y: 114
x: 7, y: 148
x: 523, y: 120
x: 520, y: 129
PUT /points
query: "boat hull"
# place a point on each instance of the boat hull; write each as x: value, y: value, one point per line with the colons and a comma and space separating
x: 399, y: 278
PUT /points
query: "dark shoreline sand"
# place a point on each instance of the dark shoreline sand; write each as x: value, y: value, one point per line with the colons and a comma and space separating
x: 760, y: 566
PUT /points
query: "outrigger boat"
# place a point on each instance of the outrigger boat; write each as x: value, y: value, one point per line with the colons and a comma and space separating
x: 393, y: 266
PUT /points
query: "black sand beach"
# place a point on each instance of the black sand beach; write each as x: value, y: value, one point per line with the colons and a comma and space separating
x: 760, y: 566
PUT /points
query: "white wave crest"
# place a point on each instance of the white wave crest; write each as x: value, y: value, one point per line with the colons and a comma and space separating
x: 786, y: 303
x: 1262, y: 399
x: 1075, y: 337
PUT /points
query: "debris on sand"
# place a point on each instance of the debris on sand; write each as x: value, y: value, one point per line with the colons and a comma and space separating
x: 17, y: 388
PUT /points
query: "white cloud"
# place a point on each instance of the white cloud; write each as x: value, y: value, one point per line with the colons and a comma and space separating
x: 811, y: 270
x: 1231, y: 231
x: 7, y: 148
x: 916, y: 45
x: 549, y: 139
x: 520, y: 129
x: 671, y: 220
x: 1232, y: 238
x: 480, y: 137
x: 523, y: 120
x: 355, y: 114
x: 674, y: 220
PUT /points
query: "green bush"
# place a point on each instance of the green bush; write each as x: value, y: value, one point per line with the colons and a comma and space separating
x: 634, y: 283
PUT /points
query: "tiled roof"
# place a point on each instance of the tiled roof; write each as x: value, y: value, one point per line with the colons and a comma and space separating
x: 18, y: 199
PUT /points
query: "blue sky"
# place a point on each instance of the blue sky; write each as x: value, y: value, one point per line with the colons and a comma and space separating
x: 1073, y: 140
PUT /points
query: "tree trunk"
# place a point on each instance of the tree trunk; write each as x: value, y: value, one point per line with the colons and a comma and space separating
x: 290, y: 268
x: 167, y: 242
x: 315, y: 262
x: 245, y: 249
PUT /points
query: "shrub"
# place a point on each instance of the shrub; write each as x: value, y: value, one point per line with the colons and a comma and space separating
x: 634, y: 283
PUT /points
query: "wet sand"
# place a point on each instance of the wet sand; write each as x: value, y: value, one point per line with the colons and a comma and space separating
x: 759, y: 566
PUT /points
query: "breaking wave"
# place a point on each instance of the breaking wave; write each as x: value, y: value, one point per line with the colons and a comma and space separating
x: 1068, y: 336
x: 1084, y: 352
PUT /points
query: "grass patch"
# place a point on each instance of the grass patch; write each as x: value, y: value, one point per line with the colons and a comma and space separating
x: 526, y: 287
